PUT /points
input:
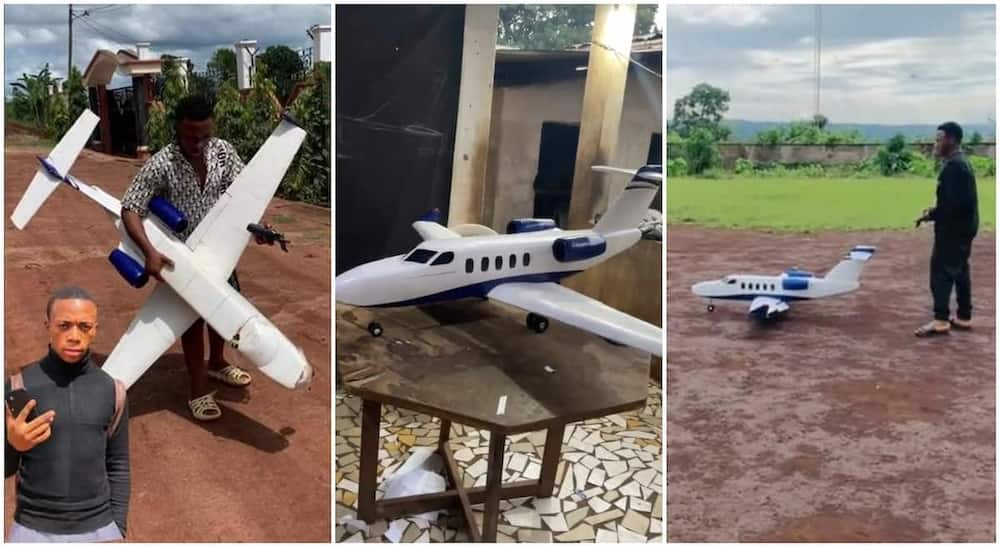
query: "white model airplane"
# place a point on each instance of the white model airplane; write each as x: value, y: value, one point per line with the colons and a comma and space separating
x: 521, y: 268
x: 769, y: 294
x: 197, y: 284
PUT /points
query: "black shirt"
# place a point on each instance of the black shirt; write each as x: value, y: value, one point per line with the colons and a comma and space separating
x: 956, y: 215
x: 77, y: 481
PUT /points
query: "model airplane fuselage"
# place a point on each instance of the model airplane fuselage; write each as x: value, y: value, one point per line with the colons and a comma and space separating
x: 521, y: 268
x: 196, y: 286
x: 769, y: 295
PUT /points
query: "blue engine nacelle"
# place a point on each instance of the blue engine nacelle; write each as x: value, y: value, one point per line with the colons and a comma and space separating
x: 165, y: 211
x: 129, y: 268
x: 571, y: 249
x: 522, y: 225
x: 795, y: 283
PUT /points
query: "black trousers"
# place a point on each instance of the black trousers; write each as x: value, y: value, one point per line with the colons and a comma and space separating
x: 950, y: 268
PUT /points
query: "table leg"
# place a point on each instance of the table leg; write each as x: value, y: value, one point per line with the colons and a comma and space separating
x: 550, y: 460
x: 371, y: 414
x: 445, y: 434
x: 494, y: 479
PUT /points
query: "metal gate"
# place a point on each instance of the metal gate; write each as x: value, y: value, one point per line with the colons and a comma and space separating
x: 122, y: 113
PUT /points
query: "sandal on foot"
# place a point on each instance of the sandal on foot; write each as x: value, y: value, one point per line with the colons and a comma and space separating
x: 961, y: 324
x: 204, y: 408
x: 931, y: 329
x: 231, y: 375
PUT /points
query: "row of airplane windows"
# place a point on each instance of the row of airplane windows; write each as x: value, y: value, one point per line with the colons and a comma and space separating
x: 423, y: 256
x: 470, y: 265
x: 757, y: 286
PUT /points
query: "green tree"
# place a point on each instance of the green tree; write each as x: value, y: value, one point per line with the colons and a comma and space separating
x: 702, y: 108
x: 284, y: 65
x: 701, y: 150
x: 221, y: 67
x: 820, y: 121
x: 30, y: 97
x: 548, y: 26
x: 308, y: 179
x: 895, y: 157
x: 76, y: 95
x: 58, y: 120
x: 160, y: 125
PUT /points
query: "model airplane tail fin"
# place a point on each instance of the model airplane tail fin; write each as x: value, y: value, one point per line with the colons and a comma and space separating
x: 630, y: 207
x: 54, y: 169
x: 849, y: 269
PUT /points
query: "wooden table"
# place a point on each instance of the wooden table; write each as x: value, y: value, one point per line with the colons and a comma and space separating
x: 456, y: 361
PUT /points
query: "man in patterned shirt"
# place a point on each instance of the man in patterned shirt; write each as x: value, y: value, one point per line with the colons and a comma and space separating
x: 191, y: 174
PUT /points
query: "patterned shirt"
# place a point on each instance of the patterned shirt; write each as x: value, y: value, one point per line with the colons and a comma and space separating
x: 169, y: 174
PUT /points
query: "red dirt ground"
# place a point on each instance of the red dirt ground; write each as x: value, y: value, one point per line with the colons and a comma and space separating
x: 262, y: 472
x: 836, y: 424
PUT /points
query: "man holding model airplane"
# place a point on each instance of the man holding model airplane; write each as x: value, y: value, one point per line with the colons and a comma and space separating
x: 192, y: 174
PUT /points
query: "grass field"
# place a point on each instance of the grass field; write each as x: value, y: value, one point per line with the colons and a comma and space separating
x: 791, y: 204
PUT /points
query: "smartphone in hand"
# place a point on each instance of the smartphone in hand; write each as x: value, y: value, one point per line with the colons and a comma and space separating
x: 17, y: 399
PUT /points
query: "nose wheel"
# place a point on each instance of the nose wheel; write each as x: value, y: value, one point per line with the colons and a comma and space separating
x: 710, y: 308
x: 375, y: 329
x: 537, y: 323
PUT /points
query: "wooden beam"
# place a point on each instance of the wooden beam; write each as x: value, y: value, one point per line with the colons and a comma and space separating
x: 603, y: 96
x: 475, y: 100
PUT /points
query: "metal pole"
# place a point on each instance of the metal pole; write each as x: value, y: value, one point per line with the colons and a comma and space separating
x: 69, y: 65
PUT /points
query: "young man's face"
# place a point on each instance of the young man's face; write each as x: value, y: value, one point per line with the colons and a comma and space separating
x: 72, y: 325
x: 193, y: 136
x: 943, y: 144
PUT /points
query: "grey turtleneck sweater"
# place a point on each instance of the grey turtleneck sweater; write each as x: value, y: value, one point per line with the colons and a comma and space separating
x: 77, y: 481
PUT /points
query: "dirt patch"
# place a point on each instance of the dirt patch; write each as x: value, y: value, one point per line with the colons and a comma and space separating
x: 835, y: 424
x: 262, y: 472
x: 832, y: 526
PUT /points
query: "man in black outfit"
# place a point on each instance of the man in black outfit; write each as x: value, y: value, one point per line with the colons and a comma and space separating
x: 956, y: 221
x: 72, y: 459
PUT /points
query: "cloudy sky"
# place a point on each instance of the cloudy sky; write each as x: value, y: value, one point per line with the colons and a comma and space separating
x: 37, y: 34
x: 880, y: 64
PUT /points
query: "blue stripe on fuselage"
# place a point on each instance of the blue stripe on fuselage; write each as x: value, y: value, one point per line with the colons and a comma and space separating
x: 478, y: 290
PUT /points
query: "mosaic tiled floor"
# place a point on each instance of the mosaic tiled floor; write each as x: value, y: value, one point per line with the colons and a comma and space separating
x: 608, y: 485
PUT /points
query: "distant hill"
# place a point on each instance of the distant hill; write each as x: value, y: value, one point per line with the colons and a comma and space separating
x: 745, y: 131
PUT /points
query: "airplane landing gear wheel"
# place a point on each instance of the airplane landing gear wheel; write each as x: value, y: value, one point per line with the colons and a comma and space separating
x: 375, y: 329
x: 537, y: 323
x: 711, y: 308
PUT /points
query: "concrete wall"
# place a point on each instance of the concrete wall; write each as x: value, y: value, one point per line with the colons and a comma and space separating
x: 827, y: 155
x: 516, y: 129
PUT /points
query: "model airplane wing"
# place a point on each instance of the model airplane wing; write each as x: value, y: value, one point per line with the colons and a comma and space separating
x: 162, y: 319
x: 54, y: 168
x: 767, y: 306
x: 220, y: 239
x: 570, y: 307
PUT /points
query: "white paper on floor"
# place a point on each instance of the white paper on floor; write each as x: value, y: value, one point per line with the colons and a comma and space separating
x: 419, y: 474
x: 353, y: 525
x: 395, y: 531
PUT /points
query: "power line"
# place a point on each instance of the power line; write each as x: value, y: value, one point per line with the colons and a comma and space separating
x: 103, y: 32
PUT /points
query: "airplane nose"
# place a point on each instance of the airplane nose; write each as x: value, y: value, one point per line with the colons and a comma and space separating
x: 367, y: 284
x: 348, y: 287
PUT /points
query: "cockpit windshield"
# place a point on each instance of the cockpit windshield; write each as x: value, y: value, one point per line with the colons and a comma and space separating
x: 420, y: 256
x: 729, y: 280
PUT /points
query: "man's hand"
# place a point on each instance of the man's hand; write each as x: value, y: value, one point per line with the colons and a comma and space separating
x: 24, y: 435
x: 924, y: 217
x: 155, y: 261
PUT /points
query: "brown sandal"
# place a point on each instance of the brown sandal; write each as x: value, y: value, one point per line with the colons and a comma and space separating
x: 959, y: 324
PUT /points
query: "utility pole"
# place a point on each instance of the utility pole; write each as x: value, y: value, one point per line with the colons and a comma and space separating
x: 69, y: 65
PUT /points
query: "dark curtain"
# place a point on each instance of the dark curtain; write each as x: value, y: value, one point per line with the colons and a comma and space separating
x: 398, y: 74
